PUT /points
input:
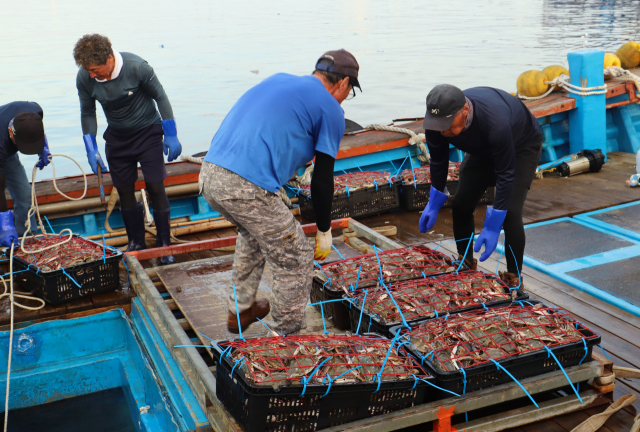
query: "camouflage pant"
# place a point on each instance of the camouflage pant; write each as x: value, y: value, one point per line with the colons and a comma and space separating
x: 267, y: 232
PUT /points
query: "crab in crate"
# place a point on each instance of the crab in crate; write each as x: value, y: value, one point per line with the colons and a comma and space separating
x: 473, y: 338
x: 390, y: 266
x: 434, y: 296
x: 422, y: 175
x: 62, y: 254
x: 316, y: 359
x: 351, y: 182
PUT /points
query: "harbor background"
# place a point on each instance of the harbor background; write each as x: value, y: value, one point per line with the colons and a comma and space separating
x: 207, y: 53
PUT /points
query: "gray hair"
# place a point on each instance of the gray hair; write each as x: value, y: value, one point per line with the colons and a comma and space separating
x: 92, y: 49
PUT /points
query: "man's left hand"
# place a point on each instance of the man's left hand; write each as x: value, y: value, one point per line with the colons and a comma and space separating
x: 323, y: 245
x: 172, y: 147
x: 45, y: 156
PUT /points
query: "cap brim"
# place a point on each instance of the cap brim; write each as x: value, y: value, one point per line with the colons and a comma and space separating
x: 30, y: 147
x: 437, y: 123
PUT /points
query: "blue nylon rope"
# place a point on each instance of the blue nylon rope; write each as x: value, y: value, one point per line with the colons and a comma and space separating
x: 375, y: 182
x: 226, y: 351
x: 485, y: 306
x: 465, y: 254
x: 235, y: 298
x: 331, y: 380
x: 464, y: 390
x: 432, y: 353
x: 49, y: 223
x: 392, y: 164
x: 369, y: 328
x: 549, y: 352
x: 586, y: 351
x: 516, y: 381
x: 364, y: 301
x: 306, y: 380
x: 517, y: 269
x: 324, y: 324
x: 125, y: 266
x: 415, y: 186
x: 431, y: 384
x: 240, y: 360
x: 605, y: 353
x: 104, y: 253
x: 347, y: 188
x: 69, y: 276
x: 397, y: 306
x: 338, y: 252
x: 20, y: 271
x: 384, y: 363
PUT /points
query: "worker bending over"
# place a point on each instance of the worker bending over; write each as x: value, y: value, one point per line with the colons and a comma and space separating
x: 273, y: 129
x: 21, y: 130
x: 503, y: 143
x: 126, y: 87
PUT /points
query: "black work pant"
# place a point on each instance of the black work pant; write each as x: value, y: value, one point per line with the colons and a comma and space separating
x: 476, y: 175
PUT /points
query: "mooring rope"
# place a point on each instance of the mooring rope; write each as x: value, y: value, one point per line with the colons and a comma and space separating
x: 12, y: 302
x: 414, y: 139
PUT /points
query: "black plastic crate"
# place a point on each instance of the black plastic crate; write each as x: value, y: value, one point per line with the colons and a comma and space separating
x: 415, y: 198
x: 265, y: 408
x: 55, y: 287
x: 371, y: 323
x: 338, y: 311
x: 360, y: 203
x: 520, y: 366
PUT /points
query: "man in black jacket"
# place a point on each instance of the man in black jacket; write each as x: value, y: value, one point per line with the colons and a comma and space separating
x: 503, y: 142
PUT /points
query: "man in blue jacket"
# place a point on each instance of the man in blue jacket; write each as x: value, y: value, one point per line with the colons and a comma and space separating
x: 503, y: 143
x: 21, y: 130
x: 128, y: 90
x: 274, y: 128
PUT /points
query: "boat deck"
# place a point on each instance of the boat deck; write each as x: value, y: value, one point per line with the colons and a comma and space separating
x: 549, y: 198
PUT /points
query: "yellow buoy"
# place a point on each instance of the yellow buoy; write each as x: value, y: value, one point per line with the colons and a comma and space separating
x: 554, y: 71
x: 609, y: 61
x: 531, y: 83
x: 629, y: 55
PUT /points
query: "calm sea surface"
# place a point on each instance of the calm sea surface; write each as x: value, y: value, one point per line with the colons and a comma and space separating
x: 207, y: 53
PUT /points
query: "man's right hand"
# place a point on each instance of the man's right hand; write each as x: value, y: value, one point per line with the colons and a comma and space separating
x: 8, y: 233
x: 430, y: 213
x: 93, y: 155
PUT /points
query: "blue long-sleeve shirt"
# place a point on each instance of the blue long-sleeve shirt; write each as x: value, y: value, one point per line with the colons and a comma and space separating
x: 127, y: 100
x: 501, y: 124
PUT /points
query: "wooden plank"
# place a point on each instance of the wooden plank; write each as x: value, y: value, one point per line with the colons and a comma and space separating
x: 530, y: 414
x: 482, y: 398
x: 378, y: 239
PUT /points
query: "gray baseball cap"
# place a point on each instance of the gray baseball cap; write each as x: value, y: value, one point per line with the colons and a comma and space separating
x: 443, y: 102
x: 341, y: 62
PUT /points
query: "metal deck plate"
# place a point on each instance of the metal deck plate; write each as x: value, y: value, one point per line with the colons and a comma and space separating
x: 618, y: 278
x: 564, y: 241
x: 625, y: 217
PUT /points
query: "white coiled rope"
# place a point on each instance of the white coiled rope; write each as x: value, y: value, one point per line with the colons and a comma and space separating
x: 563, y: 81
x: 414, y: 139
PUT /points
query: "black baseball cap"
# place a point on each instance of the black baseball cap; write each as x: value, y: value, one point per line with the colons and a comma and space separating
x: 341, y: 62
x: 443, y: 102
x: 28, y: 133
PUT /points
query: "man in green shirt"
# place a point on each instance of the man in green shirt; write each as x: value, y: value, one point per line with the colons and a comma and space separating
x: 128, y: 90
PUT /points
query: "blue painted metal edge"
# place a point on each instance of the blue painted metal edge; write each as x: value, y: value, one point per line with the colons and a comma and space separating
x: 585, y: 287
x: 176, y: 386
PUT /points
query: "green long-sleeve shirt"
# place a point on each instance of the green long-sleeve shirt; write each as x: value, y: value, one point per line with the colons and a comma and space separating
x: 127, y: 100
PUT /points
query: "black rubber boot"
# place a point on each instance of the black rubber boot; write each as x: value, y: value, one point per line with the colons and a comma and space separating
x: 133, y: 218
x: 163, y: 237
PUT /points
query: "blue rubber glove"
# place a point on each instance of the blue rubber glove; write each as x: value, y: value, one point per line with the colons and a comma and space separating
x: 490, y: 232
x: 172, y: 146
x: 44, y: 156
x: 8, y: 231
x: 93, y: 155
x: 430, y: 213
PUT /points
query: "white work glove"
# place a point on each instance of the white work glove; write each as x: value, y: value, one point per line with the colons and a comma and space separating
x: 323, y: 245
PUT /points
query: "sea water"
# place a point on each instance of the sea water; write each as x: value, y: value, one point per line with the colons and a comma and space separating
x: 207, y: 53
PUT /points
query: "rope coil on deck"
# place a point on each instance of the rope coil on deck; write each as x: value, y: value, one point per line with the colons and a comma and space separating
x: 415, y: 139
x: 619, y: 74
